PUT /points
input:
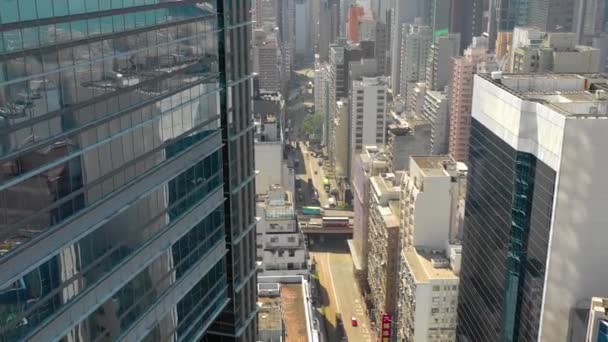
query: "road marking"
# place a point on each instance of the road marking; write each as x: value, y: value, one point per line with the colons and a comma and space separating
x: 331, y: 280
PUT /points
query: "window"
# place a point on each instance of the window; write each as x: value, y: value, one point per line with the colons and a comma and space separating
x: 291, y: 239
x: 436, y: 288
x: 274, y: 239
x: 292, y: 253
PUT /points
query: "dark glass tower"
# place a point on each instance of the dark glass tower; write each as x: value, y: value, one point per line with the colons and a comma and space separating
x: 238, y: 321
x: 506, y: 234
x: 126, y: 171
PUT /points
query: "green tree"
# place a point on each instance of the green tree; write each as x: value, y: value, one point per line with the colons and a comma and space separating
x: 313, y: 124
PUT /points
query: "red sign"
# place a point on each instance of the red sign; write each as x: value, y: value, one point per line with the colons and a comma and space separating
x: 386, y: 328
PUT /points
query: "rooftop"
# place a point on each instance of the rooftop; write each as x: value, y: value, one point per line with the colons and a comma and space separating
x: 432, y: 165
x: 422, y: 268
x: 287, y: 309
x: 568, y: 94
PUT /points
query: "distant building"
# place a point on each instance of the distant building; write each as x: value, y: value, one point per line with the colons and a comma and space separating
x: 267, y: 61
x: 367, y: 114
x: 303, y: 29
x: 431, y: 212
x: 435, y: 111
x: 280, y: 245
x: 461, y: 96
x: 439, y: 68
x: 406, y: 137
x: 383, y: 253
x: 557, y: 53
x: 552, y: 15
x: 416, y: 43
x: 340, y: 151
x: 536, y: 184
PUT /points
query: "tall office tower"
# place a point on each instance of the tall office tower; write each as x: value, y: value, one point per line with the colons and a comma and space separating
x: 552, y: 15
x: 466, y: 18
x: 343, y: 9
x: 303, y: 29
x: 431, y: 201
x: 383, y: 253
x: 267, y: 60
x: 439, y: 16
x: 355, y: 13
x: 536, y: 186
x: 371, y: 162
x: 416, y: 45
x: 461, y: 96
x: 439, y: 68
x: 504, y: 15
x: 287, y: 38
x: 405, y: 11
x: 381, y: 47
x: 112, y: 188
x: 328, y: 28
x: 590, y: 19
x: 237, y: 322
x: 367, y: 114
x: 266, y: 13
x: 601, y: 43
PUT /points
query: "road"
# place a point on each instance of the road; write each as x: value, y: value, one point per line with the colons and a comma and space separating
x: 340, y: 292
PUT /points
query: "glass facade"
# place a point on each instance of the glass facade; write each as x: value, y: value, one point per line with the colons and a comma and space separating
x: 507, y: 223
x: 112, y: 116
x: 238, y: 321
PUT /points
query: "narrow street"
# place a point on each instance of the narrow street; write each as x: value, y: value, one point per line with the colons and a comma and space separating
x: 340, y: 293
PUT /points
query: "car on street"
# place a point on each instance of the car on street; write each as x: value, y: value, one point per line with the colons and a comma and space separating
x: 353, y: 321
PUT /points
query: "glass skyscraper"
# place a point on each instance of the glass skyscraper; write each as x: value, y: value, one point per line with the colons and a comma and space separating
x: 126, y: 171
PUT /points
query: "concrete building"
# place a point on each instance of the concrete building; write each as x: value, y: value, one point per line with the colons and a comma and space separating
x: 280, y: 245
x: 340, y: 135
x: 435, y: 111
x: 303, y: 29
x: 406, y: 137
x: 328, y: 28
x: 551, y: 15
x: 431, y: 213
x: 287, y: 37
x: 461, y: 97
x: 439, y: 68
x: 541, y: 138
x: 114, y: 220
x: 416, y: 45
x: 405, y: 11
x: 466, y: 18
x: 415, y: 101
x: 367, y: 114
x: 557, y: 53
x: 270, y: 160
x: 600, y: 42
x: 523, y: 37
x: 383, y: 253
x: 590, y: 20
x: 371, y: 162
x: 266, y: 13
x: 382, y: 47
x: 267, y: 61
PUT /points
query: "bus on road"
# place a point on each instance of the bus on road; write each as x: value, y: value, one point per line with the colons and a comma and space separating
x: 326, y: 185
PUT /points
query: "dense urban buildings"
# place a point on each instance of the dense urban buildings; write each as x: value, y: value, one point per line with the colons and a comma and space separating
x: 114, y: 175
x: 534, y: 160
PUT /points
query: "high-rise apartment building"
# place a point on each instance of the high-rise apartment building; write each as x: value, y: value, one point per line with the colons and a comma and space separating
x: 461, y: 97
x: 405, y: 11
x: 439, y: 68
x: 383, y: 252
x: 435, y: 111
x: 371, y: 162
x: 406, y: 137
x: 431, y: 211
x: 303, y: 29
x: 367, y: 114
x: 536, y: 186
x: 416, y: 44
x: 113, y: 172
